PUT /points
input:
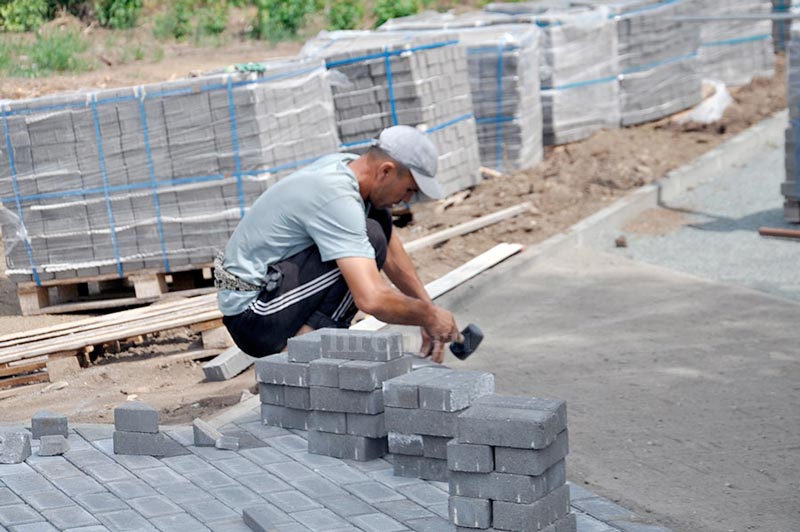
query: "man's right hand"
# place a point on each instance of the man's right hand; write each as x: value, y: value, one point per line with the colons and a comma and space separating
x: 441, y: 329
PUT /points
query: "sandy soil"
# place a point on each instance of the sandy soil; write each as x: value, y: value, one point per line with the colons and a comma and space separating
x: 573, y: 181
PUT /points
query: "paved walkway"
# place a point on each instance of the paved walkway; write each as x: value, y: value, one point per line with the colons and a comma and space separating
x: 91, y: 489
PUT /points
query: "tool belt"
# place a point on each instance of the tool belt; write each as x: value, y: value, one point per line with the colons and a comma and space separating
x: 225, y: 280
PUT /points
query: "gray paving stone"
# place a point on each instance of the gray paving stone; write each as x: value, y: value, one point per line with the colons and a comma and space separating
x: 403, y: 391
x: 212, y: 454
x: 420, y: 467
x: 25, y: 483
x: 346, y: 505
x: 424, y: 494
x: 228, y: 443
x: 346, y: 446
x: 108, y: 472
x: 237, y: 497
x: 74, y: 486
x: 15, y: 446
x: 291, y: 501
x: 387, y: 477
x: 182, y: 435
x: 15, y: 469
x: 343, y: 474
x: 182, y: 522
x: 548, y: 509
x: 263, y: 482
x: 181, y: 492
x: 154, y: 506
x: 337, y: 400
x: 87, y: 457
x: 367, y: 376
x: 92, y: 432
x: 470, y: 513
x: 604, y: 510
x: 335, y: 422
x: 230, y: 525
x: 276, y: 369
x: 264, y: 456
x: 318, y: 487
x: 208, y: 480
x: 204, y: 434
x: 378, y: 523
x: 409, y: 444
x: 578, y: 492
x: 185, y: 464
x: 100, y: 502
x: 315, y: 461
x: 55, y: 467
x: 44, y: 423
x: 7, y: 497
x: 435, y: 447
x: 236, y: 466
x: 371, y: 425
x: 298, y: 398
x: 70, y: 516
x: 628, y: 526
x: 361, y: 345
x: 18, y: 514
x: 34, y: 527
x: 46, y: 500
x: 136, y: 416
x: 123, y: 521
x: 289, y: 444
x: 470, y: 458
x: 520, y: 489
x: 209, y: 510
x: 530, y: 461
x: 373, y: 492
x: 290, y: 471
x: 227, y: 365
x: 455, y: 390
x: 283, y: 417
x: 305, y: 348
x: 320, y: 519
x: 403, y: 510
x: 134, y: 462
x: 264, y: 517
x: 156, y: 476
x: 417, y: 421
x: 369, y: 467
x: 430, y: 524
x: 125, y: 489
x: 587, y: 523
x: 441, y: 509
x: 325, y: 372
x: 272, y: 394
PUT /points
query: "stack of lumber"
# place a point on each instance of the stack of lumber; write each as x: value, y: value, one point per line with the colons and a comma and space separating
x: 24, y: 356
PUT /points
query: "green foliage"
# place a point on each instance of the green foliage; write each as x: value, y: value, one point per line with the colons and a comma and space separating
x: 56, y: 51
x: 212, y: 18
x: 118, y: 14
x: 386, y: 9
x: 23, y: 15
x: 176, y: 22
x: 280, y: 19
x: 345, y: 14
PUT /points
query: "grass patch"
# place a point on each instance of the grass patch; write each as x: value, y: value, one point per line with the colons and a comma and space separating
x: 51, y: 52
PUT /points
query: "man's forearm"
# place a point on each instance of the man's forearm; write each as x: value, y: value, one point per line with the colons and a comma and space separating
x: 398, y: 308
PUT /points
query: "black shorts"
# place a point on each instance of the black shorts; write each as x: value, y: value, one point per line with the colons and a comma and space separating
x: 310, y: 292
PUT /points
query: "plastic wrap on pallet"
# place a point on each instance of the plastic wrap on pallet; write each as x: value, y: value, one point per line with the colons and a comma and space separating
x: 658, y: 58
x: 404, y: 78
x: 504, y: 78
x: 790, y: 188
x: 155, y: 176
x: 782, y: 29
x: 735, y: 51
x: 577, y: 66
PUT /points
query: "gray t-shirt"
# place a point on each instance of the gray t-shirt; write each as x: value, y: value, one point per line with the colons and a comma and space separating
x: 319, y: 204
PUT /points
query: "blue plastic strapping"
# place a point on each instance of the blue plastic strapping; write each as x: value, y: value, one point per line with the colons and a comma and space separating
x: 449, y: 123
x: 152, y: 173
x: 367, y: 57
x: 235, y: 138
x: 392, y: 103
x: 102, y: 159
x: 577, y: 84
x: 15, y: 185
x: 499, y: 127
x: 739, y: 40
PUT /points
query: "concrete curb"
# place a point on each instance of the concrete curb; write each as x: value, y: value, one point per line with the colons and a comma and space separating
x: 732, y: 152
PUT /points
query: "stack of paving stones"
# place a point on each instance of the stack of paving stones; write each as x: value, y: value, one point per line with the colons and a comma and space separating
x: 136, y: 432
x: 51, y: 430
x: 781, y: 29
x: 790, y: 189
x: 736, y: 51
x: 503, y: 64
x: 658, y: 58
x: 422, y: 409
x: 284, y: 384
x: 507, y: 469
x: 347, y: 392
x: 118, y: 180
x: 578, y: 66
x: 404, y: 78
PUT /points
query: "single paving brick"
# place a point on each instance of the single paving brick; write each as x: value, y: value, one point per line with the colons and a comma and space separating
x: 337, y: 400
x: 424, y: 494
x: 420, y: 467
x: 378, y: 523
x: 208, y: 480
x: 318, y: 487
x: 272, y: 394
x: 455, y: 390
x: 100, y: 502
x: 435, y: 446
x: 15, y: 446
x: 342, y: 474
x: 276, y: 369
x: 227, y: 443
x: 18, y: 514
x: 291, y: 501
x: 508, y: 427
x: 154, y: 506
x: 44, y: 423
x: 290, y: 471
x: 520, y: 489
x: 346, y: 505
x: 265, y: 518
x: 403, y: 510
x: 315, y: 461
x: 123, y: 520
x: 136, y: 416
x: 236, y: 466
x: 430, y: 524
x: 209, y: 510
x: 373, y: 492
x: 531, y: 461
x: 264, y: 455
x: 25, y: 483
x: 70, y: 517
x: 182, y: 492
x: 298, y: 398
x: 74, y: 486
x: 320, y: 519
x: 140, y: 443
x: 349, y: 446
x: 556, y: 406
x: 186, y: 464
x: 325, y: 372
x: 108, y: 472
x: 361, y: 345
x: 7, y: 497
x: 371, y: 425
x: 237, y: 497
x: 182, y: 522
x: 134, y: 462
x: 403, y: 391
x: 471, y: 513
x: 46, y: 500
x: 283, y: 417
x: 131, y: 488
x: 387, y: 477
x: 204, y: 434
x: 410, y: 444
x: 334, y: 422
x: 367, y: 376
x: 55, y: 467
x: 417, y: 421
x: 305, y: 348
x: 470, y: 458
x: 537, y: 515
x: 289, y: 444
x: 41, y: 526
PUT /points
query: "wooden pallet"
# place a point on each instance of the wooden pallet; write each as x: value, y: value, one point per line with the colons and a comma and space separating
x: 110, y: 291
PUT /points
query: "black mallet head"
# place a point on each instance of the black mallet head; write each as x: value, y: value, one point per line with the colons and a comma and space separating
x: 468, y: 342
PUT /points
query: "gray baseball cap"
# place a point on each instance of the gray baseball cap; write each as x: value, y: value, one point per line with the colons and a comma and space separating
x: 413, y: 149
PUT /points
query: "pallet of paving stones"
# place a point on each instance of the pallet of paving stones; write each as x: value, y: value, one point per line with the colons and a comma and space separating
x: 790, y: 188
x: 578, y: 66
x: 154, y: 177
x: 390, y: 78
x: 25, y: 355
x: 112, y: 291
x: 503, y: 61
x: 735, y: 51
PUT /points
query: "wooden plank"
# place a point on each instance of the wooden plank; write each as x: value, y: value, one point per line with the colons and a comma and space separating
x: 13, y: 392
x: 779, y: 232
x: 19, y: 370
x: 460, y: 275
x: 488, y: 173
x: 25, y: 379
x: 467, y: 227
x: 32, y: 299
x: 114, y: 276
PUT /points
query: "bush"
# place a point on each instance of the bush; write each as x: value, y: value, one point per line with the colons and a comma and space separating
x: 56, y: 51
x: 176, y: 22
x: 212, y: 18
x: 345, y: 14
x: 23, y: 15
x: 386, y: 9
x: 118, y: 14
x: 279, y: 19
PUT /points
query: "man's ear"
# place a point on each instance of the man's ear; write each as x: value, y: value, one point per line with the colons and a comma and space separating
x: 385, y: 169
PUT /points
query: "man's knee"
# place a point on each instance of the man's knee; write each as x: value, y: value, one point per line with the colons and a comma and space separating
x: 377, y: 237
